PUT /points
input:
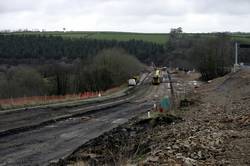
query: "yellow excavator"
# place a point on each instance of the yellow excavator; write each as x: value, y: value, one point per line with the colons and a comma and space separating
x: 157, y: 77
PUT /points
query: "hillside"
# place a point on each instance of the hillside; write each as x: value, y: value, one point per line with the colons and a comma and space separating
x: 159, y: 38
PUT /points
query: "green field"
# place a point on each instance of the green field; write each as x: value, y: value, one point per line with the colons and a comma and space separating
x: 155, y: 38
x: 159, y: 38
x: 242, y: 39
x: 120, y: 36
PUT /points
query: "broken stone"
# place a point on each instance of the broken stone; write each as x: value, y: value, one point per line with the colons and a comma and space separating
x: 189, y: 162
x: 175, y: 147
x: 170, y: 151
x: 179, y: 155
x: 153, y: 158
x: 168, y: 148
x: 200, y: 154
x: 133, y: 133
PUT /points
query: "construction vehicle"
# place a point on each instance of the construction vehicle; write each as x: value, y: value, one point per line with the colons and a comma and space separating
x: 137, y: 78
x: 131, y: 82
x: 157, y: 77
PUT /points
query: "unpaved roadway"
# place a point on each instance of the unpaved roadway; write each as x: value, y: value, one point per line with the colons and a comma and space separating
x: 40, y: 146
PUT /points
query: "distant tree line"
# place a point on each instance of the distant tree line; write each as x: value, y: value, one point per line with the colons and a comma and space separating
x: 111, y: 67
x: 18, y: 47
x: 212, y: 55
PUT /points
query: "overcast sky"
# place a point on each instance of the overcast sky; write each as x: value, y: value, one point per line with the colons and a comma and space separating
x: 126, y: 15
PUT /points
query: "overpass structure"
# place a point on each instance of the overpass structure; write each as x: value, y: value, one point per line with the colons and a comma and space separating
x: 237, y: 47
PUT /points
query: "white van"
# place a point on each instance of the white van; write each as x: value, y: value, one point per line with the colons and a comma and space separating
x: 131, y: 82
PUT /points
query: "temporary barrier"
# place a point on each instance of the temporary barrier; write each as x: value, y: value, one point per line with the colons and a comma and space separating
x: 34, y: 100
x: 165, y: 103
x: 37, y: 100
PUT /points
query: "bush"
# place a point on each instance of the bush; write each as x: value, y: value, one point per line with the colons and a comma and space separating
x: 22, y: 81
x: 213, y: 56
x: 111, y: 67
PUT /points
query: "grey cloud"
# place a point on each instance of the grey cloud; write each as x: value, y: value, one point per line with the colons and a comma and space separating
x: 10, y: 6
x: 130, y: 7
x: 124, y: 15
x: 232, y: 7
x: 142, y: 8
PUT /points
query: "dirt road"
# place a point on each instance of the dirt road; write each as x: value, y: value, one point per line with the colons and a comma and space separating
x: 50, y: 142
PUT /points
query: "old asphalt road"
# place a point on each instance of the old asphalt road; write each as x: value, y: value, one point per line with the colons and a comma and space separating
x: 50, y: 142
x: 20, y: 120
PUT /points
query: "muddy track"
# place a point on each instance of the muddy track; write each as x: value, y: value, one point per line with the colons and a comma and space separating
x: 57, y: 119
x: 85, y: 102
x: 56, y: 139
x: 17, y: 121
x: 12, y: 123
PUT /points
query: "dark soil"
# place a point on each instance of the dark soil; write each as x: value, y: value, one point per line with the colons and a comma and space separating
x: 126, y: 142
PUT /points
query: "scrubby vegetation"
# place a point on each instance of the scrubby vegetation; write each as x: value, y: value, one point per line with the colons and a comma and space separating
x: 212, y: 56
x: 109, y: 68
x: 21, y: 81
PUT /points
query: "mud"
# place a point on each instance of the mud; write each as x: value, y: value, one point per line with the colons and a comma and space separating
x: 116, y: 147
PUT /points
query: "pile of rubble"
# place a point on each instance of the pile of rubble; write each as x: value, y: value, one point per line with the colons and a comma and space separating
x: 215, y: 131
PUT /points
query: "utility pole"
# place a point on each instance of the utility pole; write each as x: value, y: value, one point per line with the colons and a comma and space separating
x: 236, y: 57
x: 172, y: 90
x: 236, y: 53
